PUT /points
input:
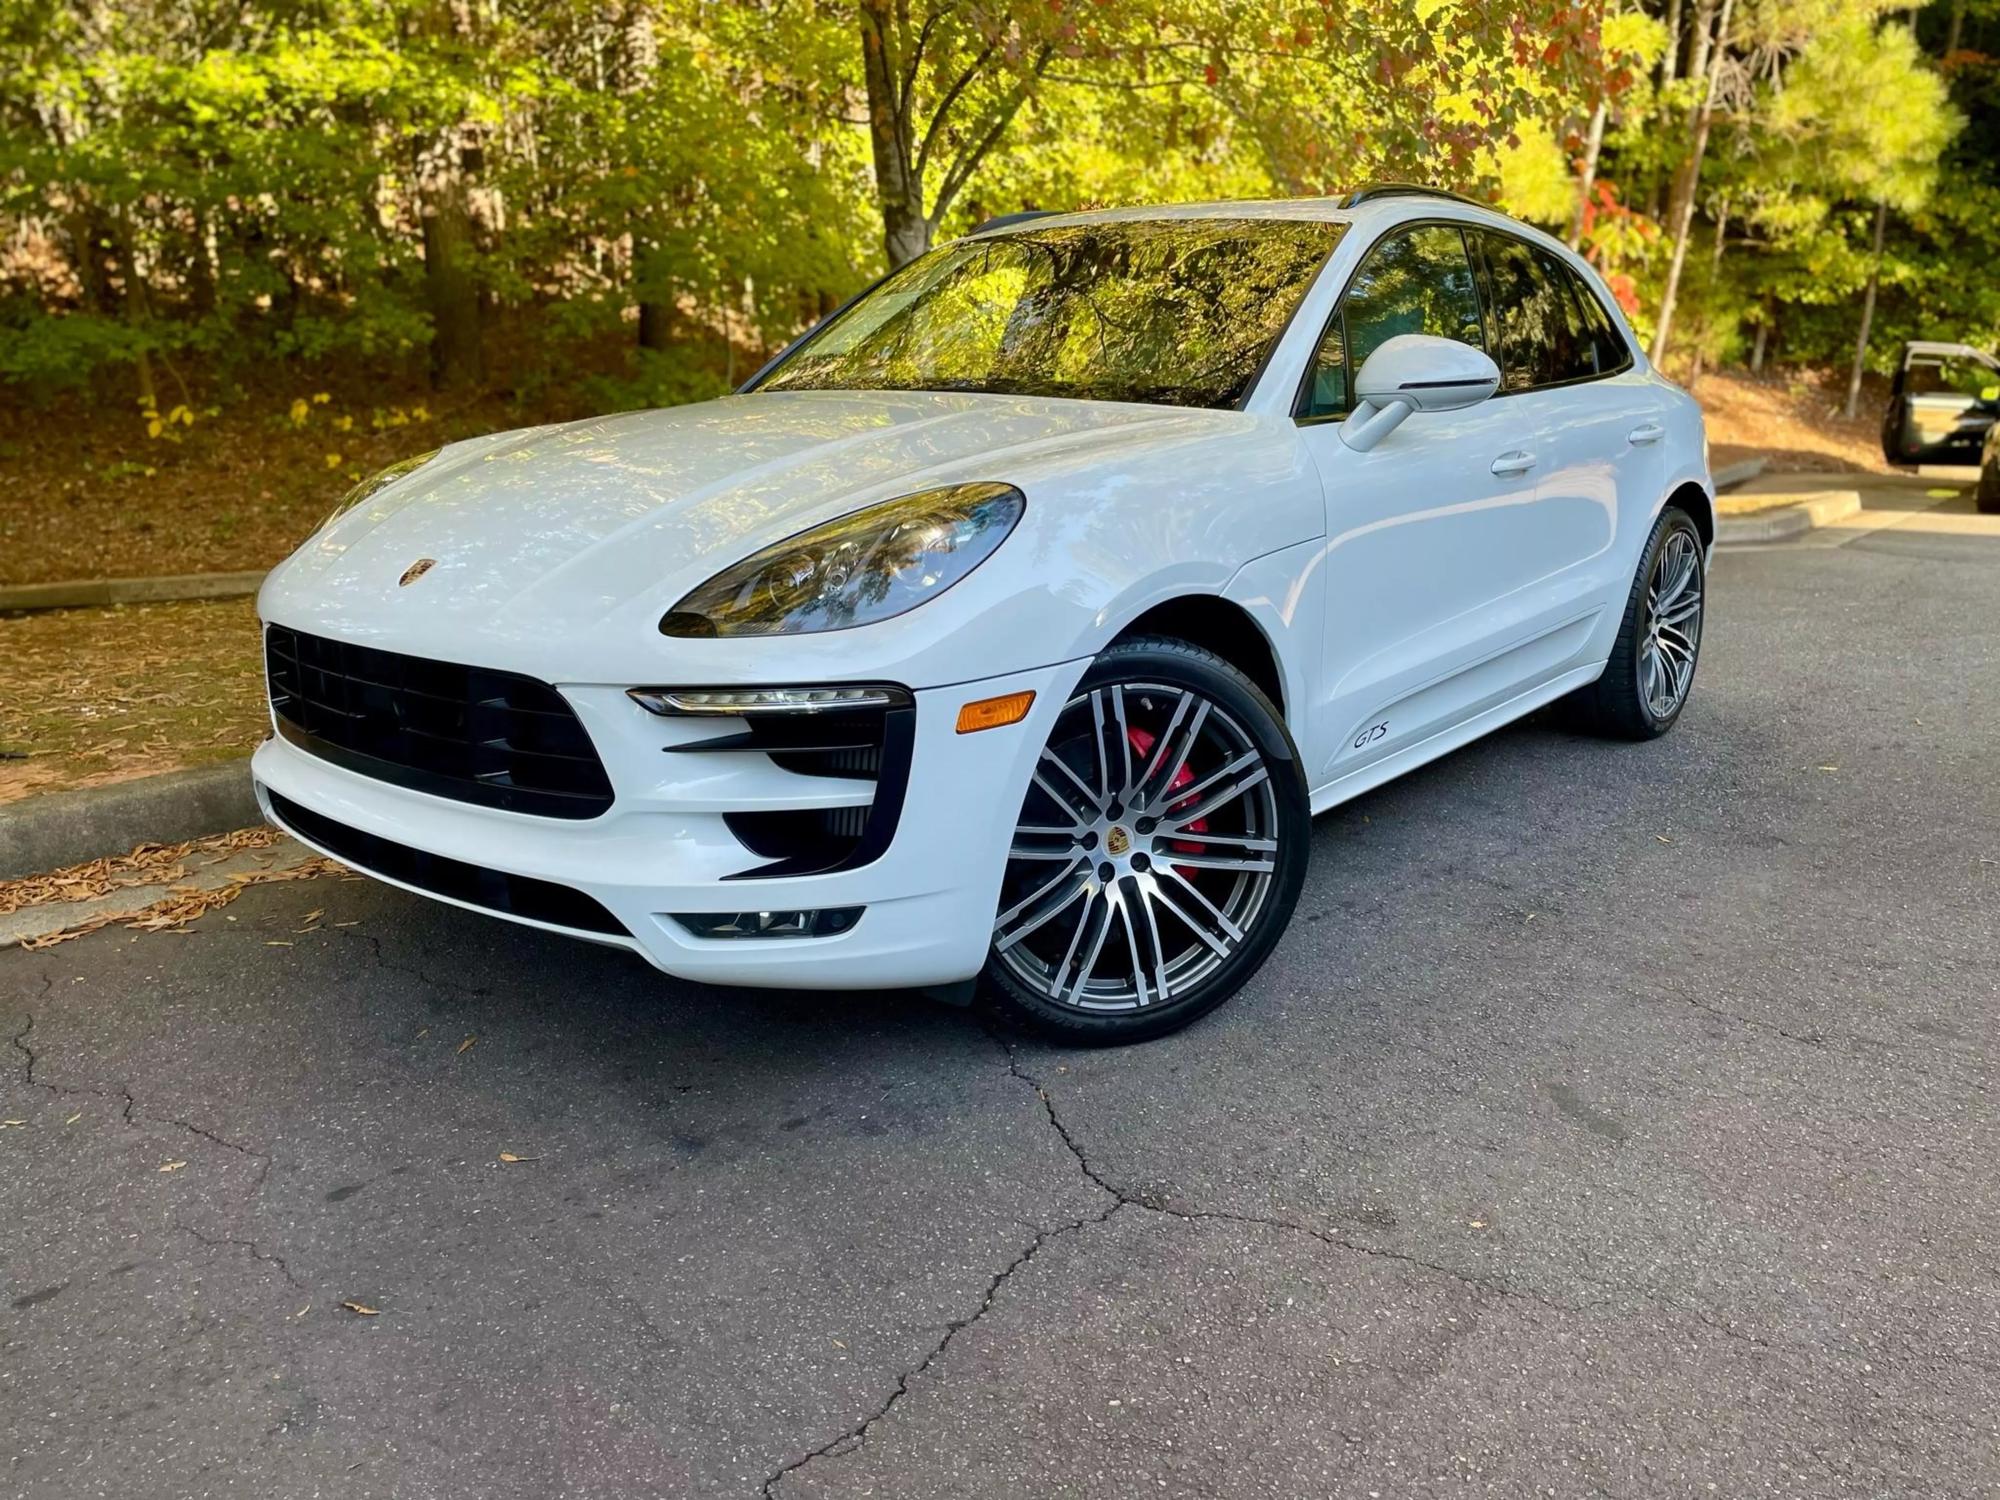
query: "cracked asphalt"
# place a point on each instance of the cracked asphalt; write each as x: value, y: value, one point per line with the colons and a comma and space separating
x: 1614, y: 1120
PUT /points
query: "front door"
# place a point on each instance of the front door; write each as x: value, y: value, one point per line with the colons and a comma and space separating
x: 1435, y: 533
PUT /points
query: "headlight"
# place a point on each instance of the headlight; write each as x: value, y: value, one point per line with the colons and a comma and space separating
x: 377, y: 482
x: 873, y: 565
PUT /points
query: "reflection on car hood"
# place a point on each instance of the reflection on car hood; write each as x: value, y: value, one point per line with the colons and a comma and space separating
x: 587, y: 516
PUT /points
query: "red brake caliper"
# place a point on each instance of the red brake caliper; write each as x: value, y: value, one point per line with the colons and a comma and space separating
x: 1142, y: 745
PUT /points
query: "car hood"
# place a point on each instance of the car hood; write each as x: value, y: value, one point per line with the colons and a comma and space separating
x: 561, y: 527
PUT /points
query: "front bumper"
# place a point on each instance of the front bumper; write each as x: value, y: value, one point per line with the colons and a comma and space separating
x: 663, y: 848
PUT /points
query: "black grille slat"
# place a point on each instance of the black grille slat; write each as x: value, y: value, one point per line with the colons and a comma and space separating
x: 470, y: 733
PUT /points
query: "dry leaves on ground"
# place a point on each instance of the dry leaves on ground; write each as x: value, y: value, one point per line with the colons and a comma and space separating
x: 148, y: 864
x: 182, y: 904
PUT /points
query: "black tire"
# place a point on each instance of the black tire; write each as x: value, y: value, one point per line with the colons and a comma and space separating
x: 1616, y: 705
x: 1986, y: 494
x: 1145, y: 681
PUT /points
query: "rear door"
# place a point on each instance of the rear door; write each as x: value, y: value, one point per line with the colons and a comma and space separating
x: 1944, y: 398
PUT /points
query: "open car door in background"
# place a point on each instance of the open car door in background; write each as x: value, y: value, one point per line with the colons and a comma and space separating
x: 1942, y: 399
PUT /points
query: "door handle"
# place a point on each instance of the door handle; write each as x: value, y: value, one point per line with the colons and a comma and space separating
x: 1649, y: 432
x: 1519, y: 461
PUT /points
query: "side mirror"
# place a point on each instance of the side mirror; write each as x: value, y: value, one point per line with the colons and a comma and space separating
x: 1415, y: 372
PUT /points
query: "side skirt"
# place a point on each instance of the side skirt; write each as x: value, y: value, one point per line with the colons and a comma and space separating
x: 1367, y: 778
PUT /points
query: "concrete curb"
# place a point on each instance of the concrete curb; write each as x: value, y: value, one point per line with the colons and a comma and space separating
x: 66, y: 828
x: 1739, y: 473
x: 86, y: 592
x: 1781, y: 523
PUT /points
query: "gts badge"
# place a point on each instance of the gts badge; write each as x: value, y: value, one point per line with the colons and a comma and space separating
x: 1370, y: 735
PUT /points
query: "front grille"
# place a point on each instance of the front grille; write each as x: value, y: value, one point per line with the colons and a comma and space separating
x: 495, y: 890
x: 468, y: 733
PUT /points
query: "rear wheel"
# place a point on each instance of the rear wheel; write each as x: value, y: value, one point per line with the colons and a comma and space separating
x: 1651, y: 671
x: 1158, y: 854
x: 1986, y: 494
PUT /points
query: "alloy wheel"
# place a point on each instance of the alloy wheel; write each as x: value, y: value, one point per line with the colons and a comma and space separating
x: 1146, y: 850
x: 1672, y: 625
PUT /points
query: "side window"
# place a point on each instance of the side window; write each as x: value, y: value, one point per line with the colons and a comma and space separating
x: 1947, y: 375
x: 1608, y: 352
x: 1417, y: 281
x: 1538, y: 340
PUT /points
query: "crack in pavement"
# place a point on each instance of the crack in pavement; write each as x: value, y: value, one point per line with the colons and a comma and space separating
x: 1497, y: 1286
x: 256, y: 1251
x: 383, y: 961
x: 857, y: 1434
x: 131, y: 1114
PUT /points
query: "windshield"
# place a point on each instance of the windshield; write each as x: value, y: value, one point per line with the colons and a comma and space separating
x: 1174, y: 311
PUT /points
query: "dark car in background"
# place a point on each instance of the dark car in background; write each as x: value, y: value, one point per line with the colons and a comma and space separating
x: 1942, y: 399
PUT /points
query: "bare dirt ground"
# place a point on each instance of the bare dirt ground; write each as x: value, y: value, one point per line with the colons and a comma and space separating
x: 93, y: 696
x: 1793, y: 418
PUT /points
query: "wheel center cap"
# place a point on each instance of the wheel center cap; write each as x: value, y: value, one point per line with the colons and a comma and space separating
x: 1117, y: 841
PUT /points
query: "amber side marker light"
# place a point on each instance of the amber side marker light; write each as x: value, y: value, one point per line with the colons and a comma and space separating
x: 994, y: 713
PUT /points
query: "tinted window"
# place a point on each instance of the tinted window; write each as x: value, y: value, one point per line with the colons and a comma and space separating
x: 1175, y: 311
x: 1608, y: 353
x: 1538, y: 323
x: 1418, y: 281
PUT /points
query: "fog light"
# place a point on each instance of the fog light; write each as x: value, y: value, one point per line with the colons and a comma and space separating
x: 995, y: 713
x: 733, y: 703
x: 826, y: 922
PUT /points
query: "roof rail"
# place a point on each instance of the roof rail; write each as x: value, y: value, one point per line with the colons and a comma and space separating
x: 1368, y: 192
x: 1002, y: 221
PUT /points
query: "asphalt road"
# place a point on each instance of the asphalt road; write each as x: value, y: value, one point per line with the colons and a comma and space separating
x: 1613, y: 1120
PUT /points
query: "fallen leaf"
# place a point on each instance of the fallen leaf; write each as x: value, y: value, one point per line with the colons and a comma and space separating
x: 74, y: 1118
x: 173, y: 1166
x: 1663, y: 838
x: 508, y: 1156
x: 1829, y: 768
x: 10, y: 1124
x: 303, y: 1311
x: 466, y: 1045
x: 361, y: 1309
x: 314, y: 915
x: 1478, y: 1223
x: 276, y: 943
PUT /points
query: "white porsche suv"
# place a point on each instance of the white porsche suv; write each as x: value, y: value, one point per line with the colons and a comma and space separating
x: 1013, y: 623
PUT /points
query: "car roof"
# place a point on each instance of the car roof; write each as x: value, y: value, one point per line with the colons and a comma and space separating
x: 1385, y: 202
x: 1933, y: 346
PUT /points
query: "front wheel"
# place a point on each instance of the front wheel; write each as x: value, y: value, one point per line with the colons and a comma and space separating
x: 1158, y: 854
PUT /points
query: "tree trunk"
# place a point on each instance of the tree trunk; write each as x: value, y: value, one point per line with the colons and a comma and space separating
x: 1670, y: 59
x: 899, y: 187
x: 1593, y: 144
x: 1957, y: 29
x: 1758, y: 346
x: 659, y: 310
x: 1704, y: 39
x: 1688, y: 183
x: 1867, y: 312
x: 450, y: 288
